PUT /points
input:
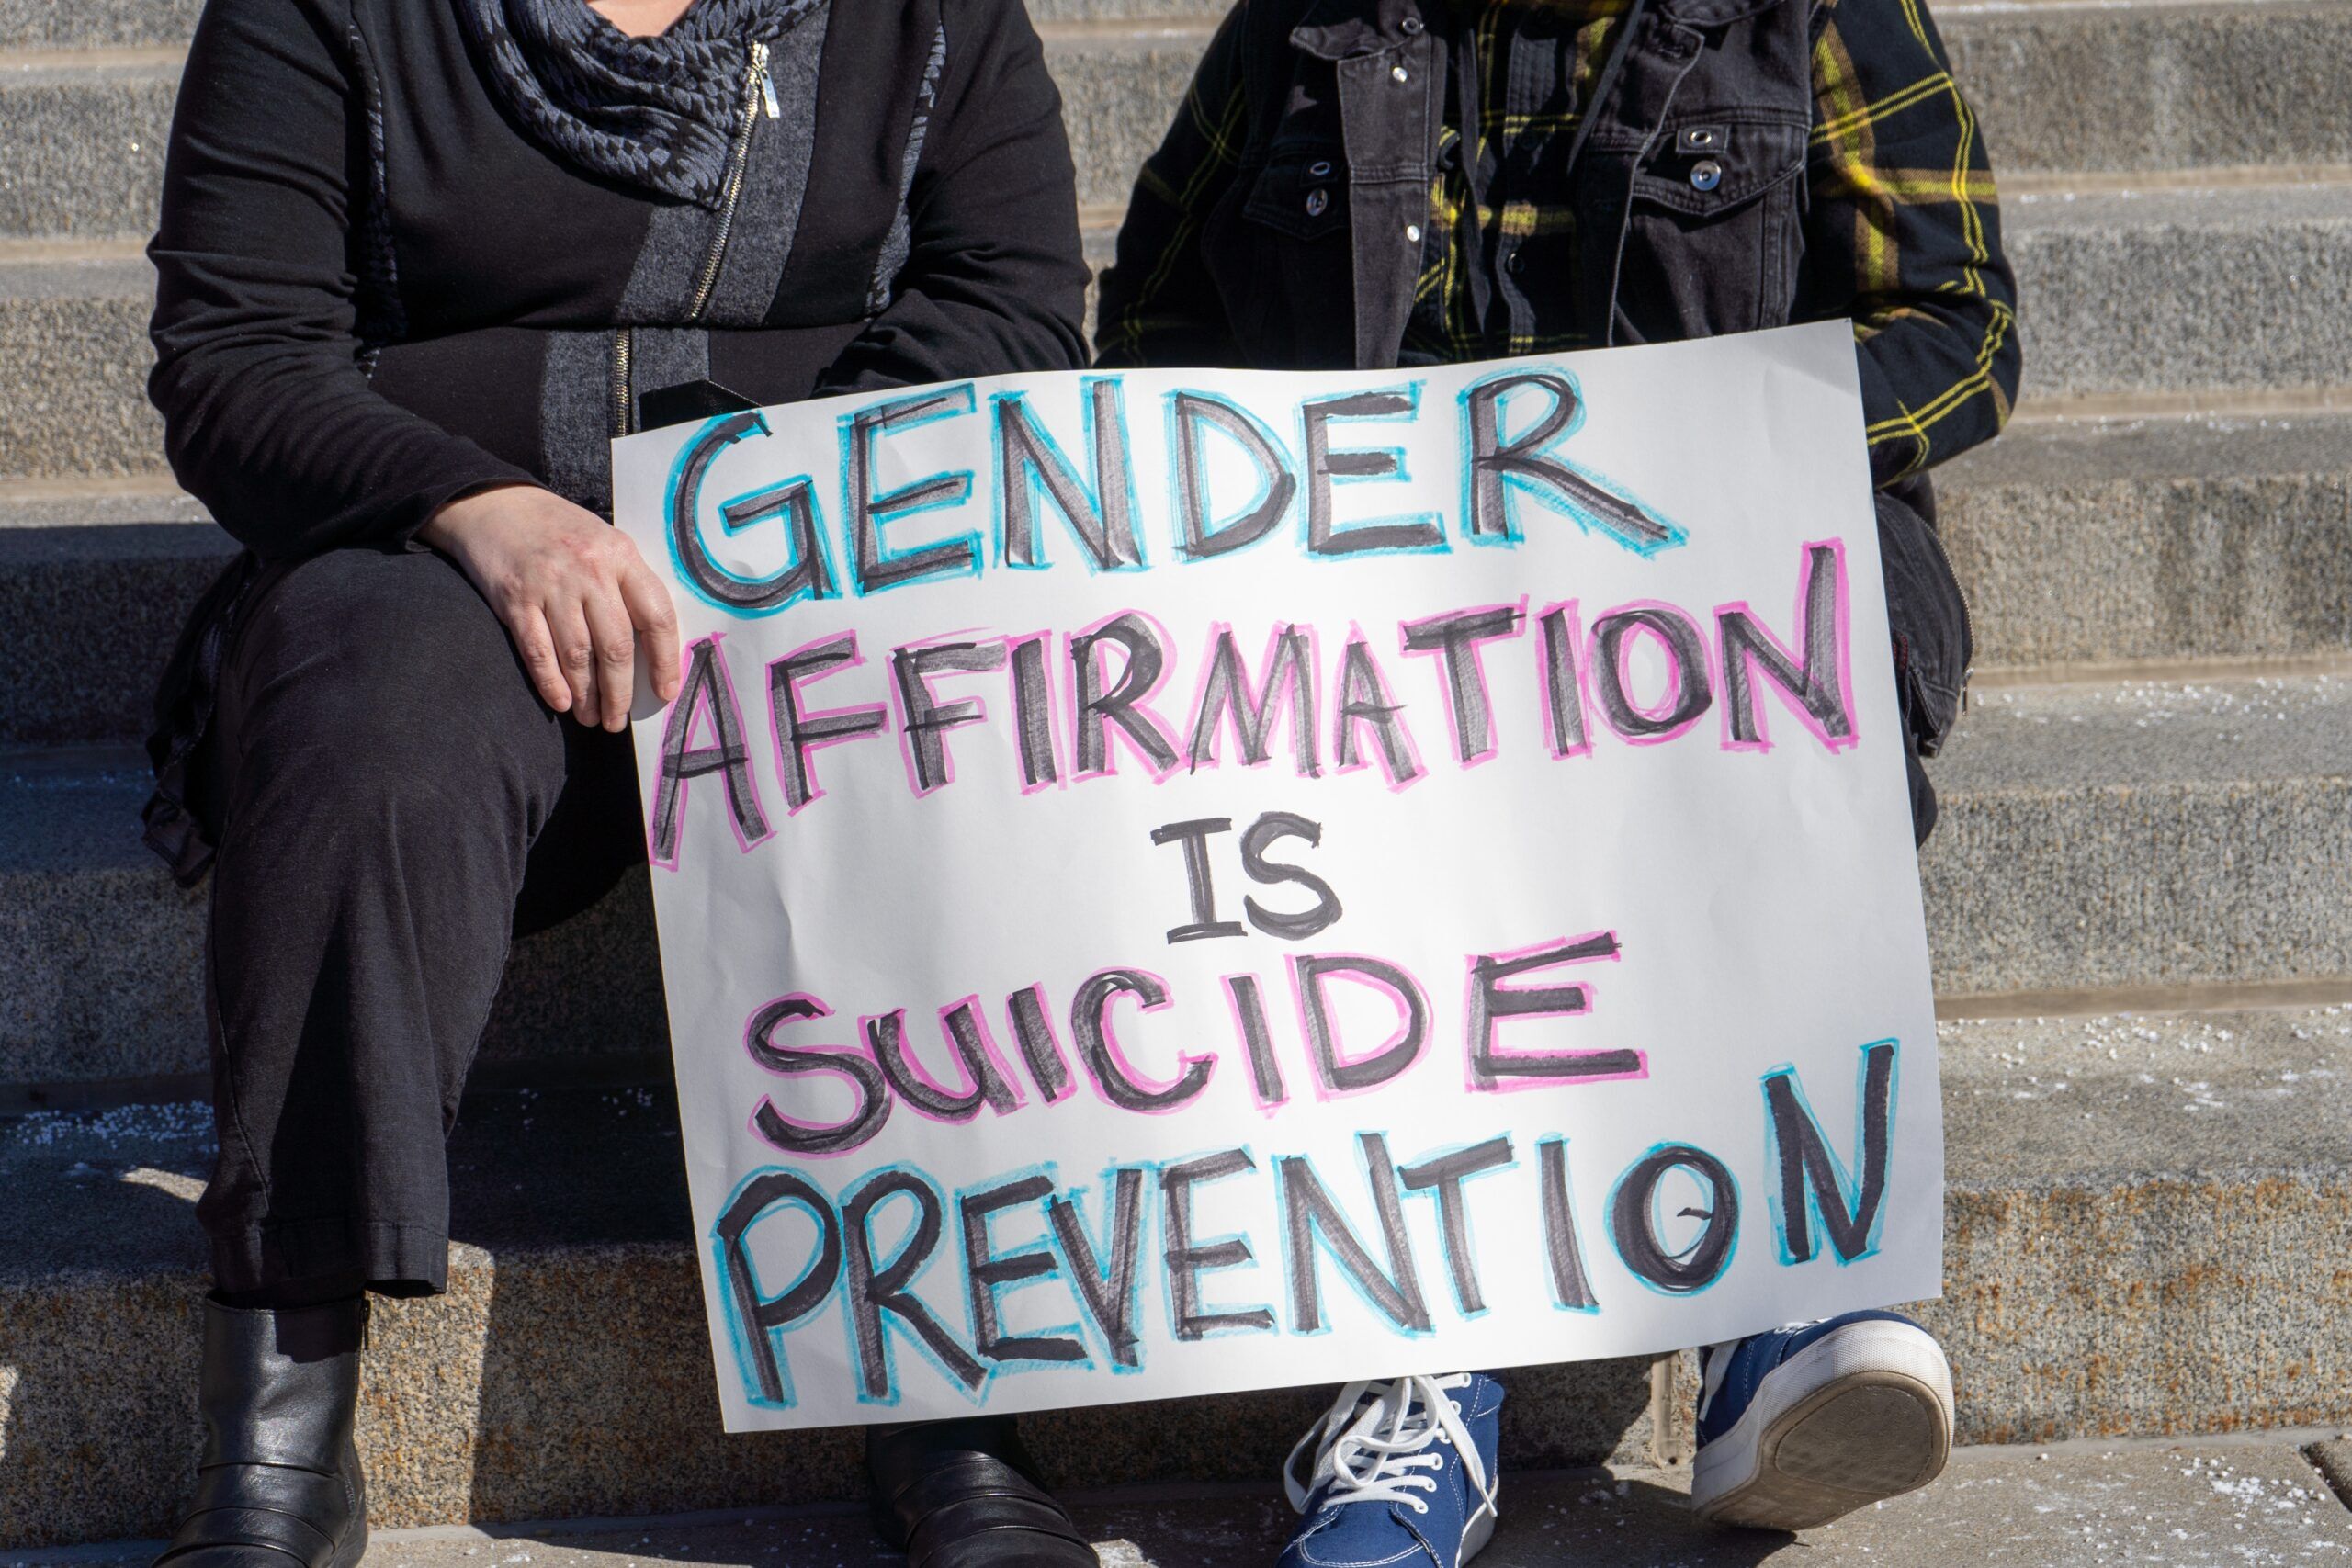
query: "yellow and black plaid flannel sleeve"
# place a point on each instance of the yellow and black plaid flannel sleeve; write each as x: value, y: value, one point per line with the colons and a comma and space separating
x: 1902, y: 233
x: 1157, y: 304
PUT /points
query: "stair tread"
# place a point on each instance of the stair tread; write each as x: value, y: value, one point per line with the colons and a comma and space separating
x: 2101, y: 451
x: 2143, y: 734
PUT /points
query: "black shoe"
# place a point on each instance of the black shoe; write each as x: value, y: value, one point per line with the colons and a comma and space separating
x: 279, y: 1485
x: 966, y: 1494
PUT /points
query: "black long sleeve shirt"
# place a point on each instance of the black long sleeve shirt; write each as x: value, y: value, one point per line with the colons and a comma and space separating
x: 375, y: 293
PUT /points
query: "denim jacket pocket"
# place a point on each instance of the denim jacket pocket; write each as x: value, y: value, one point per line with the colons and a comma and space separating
x: 1302, y: 193
x: 1703, y: 165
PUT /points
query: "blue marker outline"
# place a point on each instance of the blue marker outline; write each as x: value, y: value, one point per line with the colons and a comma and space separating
x: 1849, y: 1187
x: 888, y: 1321
x: 1145, y: 1195
x: 1042, y: 1244
x: 1053, y: 449
x: 1441, y: 546
x: 738, y: 1333
x: 1512, y: 533
x: 1254, y: 1261
x: 1201, y: 485
x: 1318, y: 1245
x: 1470, y: 1232
x: 1731, y: 1253
x: 884, y: 515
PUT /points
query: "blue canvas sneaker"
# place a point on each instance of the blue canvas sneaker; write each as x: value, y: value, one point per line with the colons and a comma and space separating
x: 1805, y: 1423
x: 1397, y: 1473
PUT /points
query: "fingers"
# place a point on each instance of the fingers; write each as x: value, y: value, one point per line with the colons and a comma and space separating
x: 616, y: 639
x: 657, y: 621
x: 528, y: 625
x: 576, y: 653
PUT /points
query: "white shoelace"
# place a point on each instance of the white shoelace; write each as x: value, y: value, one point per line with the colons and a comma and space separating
x: 1373, y: 1446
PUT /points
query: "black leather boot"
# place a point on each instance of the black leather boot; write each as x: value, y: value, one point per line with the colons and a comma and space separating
x: 966, y: 1494
x: 279, y: 1485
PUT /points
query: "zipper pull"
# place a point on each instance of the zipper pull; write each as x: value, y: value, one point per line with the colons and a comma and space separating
x: 767, y: 96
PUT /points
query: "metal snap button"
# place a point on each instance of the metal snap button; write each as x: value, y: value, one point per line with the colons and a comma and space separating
x: 1701, y: 138
x: 1514, y: 264
x: 1399, y: 73
x: 1317, y: 200
x: 1413, y: 233
x: 1411, y: 25
x: 1706, y: 174
x: 1321, y: 167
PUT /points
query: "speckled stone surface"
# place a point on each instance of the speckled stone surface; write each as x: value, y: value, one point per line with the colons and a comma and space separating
x: 82, y: 144
x: 2187, y: 1507
x: 2155, y: 539
x: 73, y: 363
x: 2174, y: 290
x: 2146, y: 1224
x: 89, y: 616
x: 106, y: 977
x: 2143, y: 833
x: 95, y: 24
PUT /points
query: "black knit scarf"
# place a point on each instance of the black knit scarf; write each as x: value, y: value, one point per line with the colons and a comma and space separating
x: 655, y: 112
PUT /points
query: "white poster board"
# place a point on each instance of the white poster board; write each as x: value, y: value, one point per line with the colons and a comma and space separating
x: 1176, y: 882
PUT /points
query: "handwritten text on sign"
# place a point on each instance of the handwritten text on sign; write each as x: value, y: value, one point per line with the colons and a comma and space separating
x: 1186, y: 881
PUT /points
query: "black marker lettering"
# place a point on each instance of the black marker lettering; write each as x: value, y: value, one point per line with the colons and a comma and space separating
x: 1039, y: 1049
x: 1630, y: 1226
x: 1249, y: 1017
x: 1445, y: 1175
x: 868, y: 511
x: 874, y: 1291
x: 1089, y: 1025
x: 1105, y: 526
x: 1290, y: 673
x: 1123, y: 703
x: 885, y: 1036
x: 1109, y: 1294
x: 1457, y: 636
x: 1307, y: 1207
x: 792, y: 1137
x: 1273, y: 826
x: 1363, y: 699
x: 763, y: 1319
x: 1323, y: 464
x: 1807, y: 1165
x: 1308, y: 975
x: 1198, y: 878
x: 1563, y: 686
x: 1492, y: 1002
x: 1186, y: 1261
x: 794, y: 501
x: 1815, y: 685
x: 1690, y: 695
x: 799, y: 733
x: 1494, y: 461
x: 1570, y: 1287
x: 1202, y: 537
x: 986, y: 1273
x: 925, y: 723
x: 1033, y: 713
x: 705, y: 689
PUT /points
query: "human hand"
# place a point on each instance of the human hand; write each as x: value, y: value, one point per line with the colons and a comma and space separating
x: 573, y: 595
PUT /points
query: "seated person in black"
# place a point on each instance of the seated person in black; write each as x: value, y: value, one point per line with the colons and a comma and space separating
x: 418, y: 262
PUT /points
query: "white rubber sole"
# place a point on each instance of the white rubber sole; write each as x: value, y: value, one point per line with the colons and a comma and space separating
x: 1474, y: 1536
x: 1860, y: 1416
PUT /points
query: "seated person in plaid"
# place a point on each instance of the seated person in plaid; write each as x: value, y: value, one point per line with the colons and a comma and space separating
x: 1377, y: 182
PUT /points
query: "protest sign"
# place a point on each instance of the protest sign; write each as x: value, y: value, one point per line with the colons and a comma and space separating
x: 1175, y: 882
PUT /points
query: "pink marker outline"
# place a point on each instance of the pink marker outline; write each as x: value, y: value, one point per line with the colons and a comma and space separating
x: 1842, y: 624
x: 988, y: 1048
x: 1477, y: 669
x: 1579, y: 664
x: 1494, y: 1042
x: 977, y: 636
x: 1324, y: 1092
x: 1012, y: 643
x: 1114, y: 735
x: 1340, y: 719
x: 1118, y: 1054
x: 1061, y: 1053
x: 1674, y: 686
x: 752, y: 1122
x: 685, y: 786
x: 1253, y: 692
x: 1266, y: 1107
x: 808, y: 751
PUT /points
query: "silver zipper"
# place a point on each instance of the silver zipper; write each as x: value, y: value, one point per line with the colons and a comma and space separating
x: 623, y: 341
x: 755, y: 75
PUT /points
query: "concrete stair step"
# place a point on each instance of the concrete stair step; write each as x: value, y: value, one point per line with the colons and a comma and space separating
x: 2219, y: 292
x: 2094, y: 542
x: 2230, y: 288
x: 2058, y: 87
x: 2198, y: 537
x: 2143, y: 1218
x: 2101, y: 836
x: 2256, y: 1499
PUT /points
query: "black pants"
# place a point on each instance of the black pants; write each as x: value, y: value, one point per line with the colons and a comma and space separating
x: 392, y: 803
